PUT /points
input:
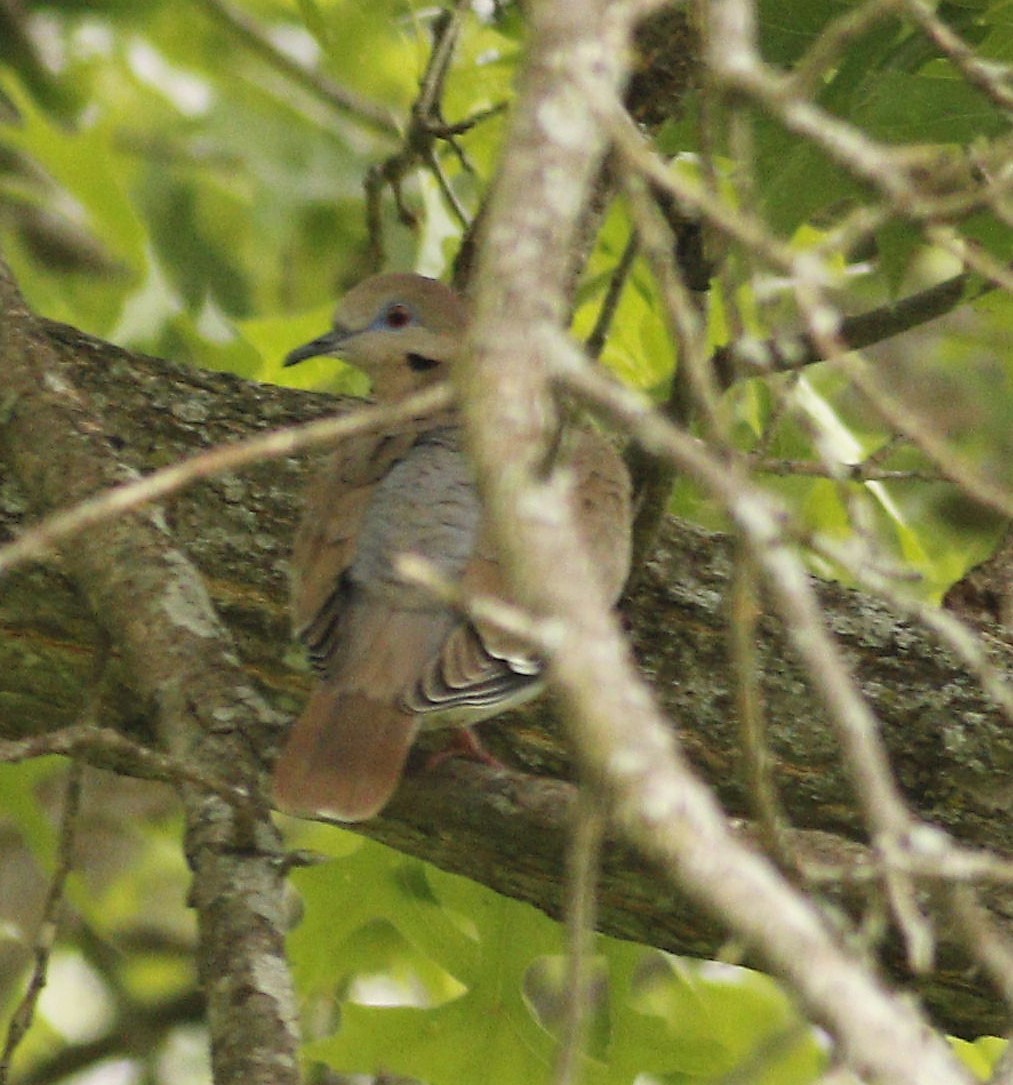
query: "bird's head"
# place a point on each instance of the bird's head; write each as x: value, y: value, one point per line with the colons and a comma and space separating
x: 402, y: 330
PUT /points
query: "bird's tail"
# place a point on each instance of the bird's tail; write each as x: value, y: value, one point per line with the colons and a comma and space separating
x: 344, y: 756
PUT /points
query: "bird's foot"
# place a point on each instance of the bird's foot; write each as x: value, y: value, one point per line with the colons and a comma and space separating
x: 463, y: 743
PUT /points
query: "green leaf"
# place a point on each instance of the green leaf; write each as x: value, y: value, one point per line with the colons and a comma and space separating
x: 474, y: 1039
x: 88, y: 165
x: 896, y: 244
x: 901, y: 107
x: 702, y: 1021
x: 19, y: 802
x: 788, y: 27
x: 487, y: 941
x: 796, y: 181
x: 981, y: 1056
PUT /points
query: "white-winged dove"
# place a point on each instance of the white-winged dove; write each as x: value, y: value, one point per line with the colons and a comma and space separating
x: 391, y: 658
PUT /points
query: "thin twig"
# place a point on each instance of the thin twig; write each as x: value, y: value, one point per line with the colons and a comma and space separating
x: 581, y: 897
x: 425, y: 126
x: 36, y: 541
x: 595, y: 342
x: 333, y: 94
x: 739, y: 225
x: 97, y: 745
x: 751, y: 357
x: 990, y: 77
x: 892, y: 822
x: 453, y: 201
x: 903, y: 419
x: 759, y: 764
x: 738, y: 64
x: 506, y: 617
x: 694, y: 393
x: 959, y: 637
x: 49, y: 923
x: 983, y: 938
x: 924, y: 850
x: 846, y: 472
x: 936, y: 859
x: 995, y: 272
x: 760, y: 520
x: 825, y: 53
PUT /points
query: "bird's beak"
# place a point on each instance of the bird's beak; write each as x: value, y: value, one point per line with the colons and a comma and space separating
x: 329, y: 343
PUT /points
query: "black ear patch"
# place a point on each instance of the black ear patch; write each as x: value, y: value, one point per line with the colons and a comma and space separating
x: 419, y: 363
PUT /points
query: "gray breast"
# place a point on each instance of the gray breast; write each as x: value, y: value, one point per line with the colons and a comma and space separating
x: 426, y: 505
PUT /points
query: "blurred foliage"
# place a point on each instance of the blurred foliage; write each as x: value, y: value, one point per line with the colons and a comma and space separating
x: 168, y: 186
x: 490, y: 976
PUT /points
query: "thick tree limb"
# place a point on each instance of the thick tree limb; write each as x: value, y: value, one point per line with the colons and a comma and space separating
x: 182, y: 662
x: 951, y: 750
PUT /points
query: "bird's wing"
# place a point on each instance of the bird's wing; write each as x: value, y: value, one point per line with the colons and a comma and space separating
x: 325, y: 544
x: 371, y: 634
x: 481, y: 668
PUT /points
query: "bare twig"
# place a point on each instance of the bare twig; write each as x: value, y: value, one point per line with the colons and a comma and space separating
x: 994, y: 271
x: 903, y: 419
x: 425, y: 126
x: 60, y: 526
x: 484, y: 608
x: 599, y: 333
x: 750, y: 357
x: 960, y: 638
x: 761, y: 524
x: 745, y: 612
x: 760, y: 520
x: 849, y: 472
x: 582, y: 880
x: 49, y: 923
x: 694, y: 393
x: 347, y: 101
x: 992, y: 949
x: 738, y: 224
x: 97, y: 745
x: 993, y: 79
x: 826, y: 51
x: 935, y: 859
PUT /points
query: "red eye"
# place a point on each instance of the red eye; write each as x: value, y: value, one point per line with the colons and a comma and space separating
x: 397, y: 316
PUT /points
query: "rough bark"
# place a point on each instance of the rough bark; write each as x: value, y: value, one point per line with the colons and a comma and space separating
x: 951, y: 749
x: 197, y: 698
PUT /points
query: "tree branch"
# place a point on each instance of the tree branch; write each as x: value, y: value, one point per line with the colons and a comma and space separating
x: 621, y: 740
x: 345, y: 101
x: 183, y: 662
x: 743, y: 358
x: 949, y: 745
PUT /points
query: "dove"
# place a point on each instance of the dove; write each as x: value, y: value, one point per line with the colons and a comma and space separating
x: 392, y: 659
